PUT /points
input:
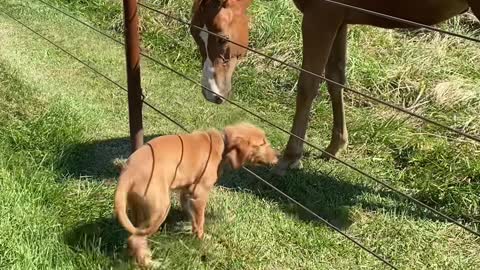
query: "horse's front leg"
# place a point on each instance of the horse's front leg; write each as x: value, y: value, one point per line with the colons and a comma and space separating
x: 335, y: 71
x: 318, y: 33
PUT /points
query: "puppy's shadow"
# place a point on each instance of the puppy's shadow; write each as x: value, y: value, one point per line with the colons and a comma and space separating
x: 103, y: 234
x: 178, y: 221
x: 325, y: 195
x: 107, y: 237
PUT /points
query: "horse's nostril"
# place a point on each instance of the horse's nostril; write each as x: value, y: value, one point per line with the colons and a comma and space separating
x: 218, y: 100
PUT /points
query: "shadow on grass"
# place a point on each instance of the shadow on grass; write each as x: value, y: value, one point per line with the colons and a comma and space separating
x: 94, y: 160
x: 326, y: 196
x: 329, y: 197
x: 105, y: 236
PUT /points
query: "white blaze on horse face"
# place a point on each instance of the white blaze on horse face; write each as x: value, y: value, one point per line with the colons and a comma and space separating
x: 208, y: 77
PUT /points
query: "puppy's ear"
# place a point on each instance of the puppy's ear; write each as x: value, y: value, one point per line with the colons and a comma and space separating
x: 238, y: 153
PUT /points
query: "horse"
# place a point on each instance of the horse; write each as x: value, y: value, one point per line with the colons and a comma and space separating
x: 324, y: 34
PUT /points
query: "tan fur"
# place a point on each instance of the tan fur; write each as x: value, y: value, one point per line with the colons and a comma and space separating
x: 163, y: 165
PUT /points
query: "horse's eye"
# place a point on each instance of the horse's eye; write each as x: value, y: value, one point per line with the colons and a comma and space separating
x: 225, y: 60
x: 222, y: 40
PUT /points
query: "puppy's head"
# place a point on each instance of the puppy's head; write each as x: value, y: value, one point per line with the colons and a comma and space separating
x: 247, y: 144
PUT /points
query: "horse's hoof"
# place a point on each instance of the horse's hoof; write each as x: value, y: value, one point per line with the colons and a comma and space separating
x: 332, y: 151
x: 284, y: 165
x: 326, y: 156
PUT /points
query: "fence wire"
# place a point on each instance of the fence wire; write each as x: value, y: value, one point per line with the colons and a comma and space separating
x: 292, y: 66
x: 187, y: 130
x: 352, y: 167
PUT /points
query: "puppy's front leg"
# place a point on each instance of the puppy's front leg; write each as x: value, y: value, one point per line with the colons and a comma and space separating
x: 186, y: 201
x: 198, y: 212
x: 195, y: 203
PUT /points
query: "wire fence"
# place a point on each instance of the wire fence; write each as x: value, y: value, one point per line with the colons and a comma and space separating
x: 378, y: 181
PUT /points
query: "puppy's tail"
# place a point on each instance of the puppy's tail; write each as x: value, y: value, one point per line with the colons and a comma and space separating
x: 121, y: 195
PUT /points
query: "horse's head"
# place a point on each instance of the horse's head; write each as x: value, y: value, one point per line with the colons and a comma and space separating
x: 226, y: 18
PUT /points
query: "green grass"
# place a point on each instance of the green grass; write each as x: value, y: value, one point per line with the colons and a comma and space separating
x: 62, y: 126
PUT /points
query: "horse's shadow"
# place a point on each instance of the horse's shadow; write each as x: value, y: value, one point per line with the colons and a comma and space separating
x: 326, y: 196
x: 330, y: 198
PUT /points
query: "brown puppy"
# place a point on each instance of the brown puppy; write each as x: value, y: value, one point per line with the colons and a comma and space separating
x: 190, y: 163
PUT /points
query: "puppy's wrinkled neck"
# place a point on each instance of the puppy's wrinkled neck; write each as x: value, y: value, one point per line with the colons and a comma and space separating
x: 224, y: 163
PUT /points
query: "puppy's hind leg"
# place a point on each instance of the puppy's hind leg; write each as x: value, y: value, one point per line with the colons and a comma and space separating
x: 158, y: 213
x: 138, y: 248
x: 185, y: 198
x: 138, y: 244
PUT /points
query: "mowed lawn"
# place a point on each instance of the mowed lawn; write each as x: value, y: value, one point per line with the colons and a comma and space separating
x: 62, y: 127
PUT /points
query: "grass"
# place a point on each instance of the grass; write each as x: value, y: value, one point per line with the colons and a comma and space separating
x: 62, y: 126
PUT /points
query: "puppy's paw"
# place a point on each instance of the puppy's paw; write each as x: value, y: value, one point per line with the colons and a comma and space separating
x: 155, y: 264
x: 200, y: 234
x: 144, y: 259
x: 206, y: 236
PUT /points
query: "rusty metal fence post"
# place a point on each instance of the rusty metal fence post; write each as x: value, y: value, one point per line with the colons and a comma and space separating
x: 132, y: 52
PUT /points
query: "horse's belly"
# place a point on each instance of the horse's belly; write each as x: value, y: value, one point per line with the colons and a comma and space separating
x: 422, y: 11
